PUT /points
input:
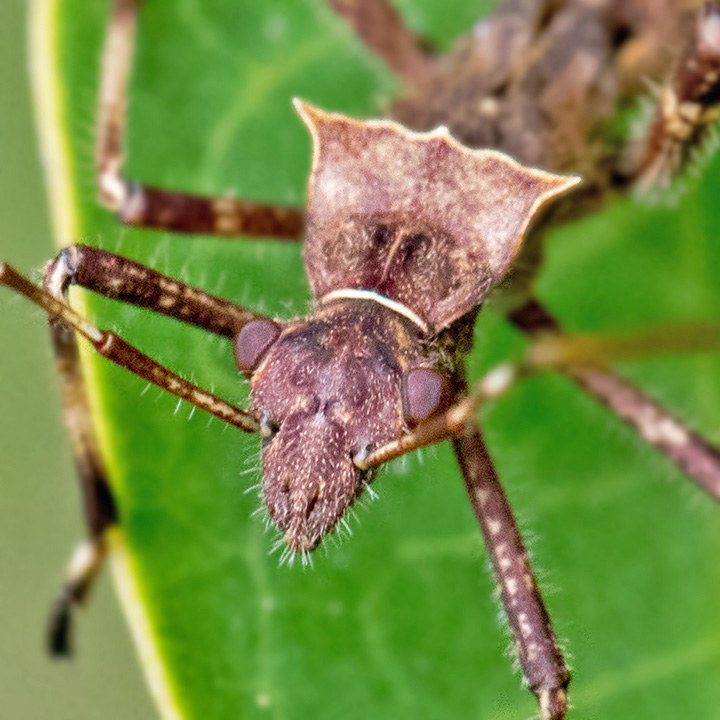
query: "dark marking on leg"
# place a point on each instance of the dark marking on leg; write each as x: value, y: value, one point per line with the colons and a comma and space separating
x: 85, y: 565
x: 99, y: 506
x: 121, y: 279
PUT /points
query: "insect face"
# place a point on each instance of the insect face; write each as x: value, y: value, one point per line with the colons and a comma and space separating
x: 388, y: 280
x: 330, y: 388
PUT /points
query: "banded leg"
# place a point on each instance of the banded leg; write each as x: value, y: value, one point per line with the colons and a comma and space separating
x: 154, y: 207
x: 542, y: 663
x: 98, y: 503
x: 114, y: 348
x: 691, y: 452
x: 540, y: 658
x: 581, y: 358
x: 119, y: 278
x: 381, y: 28
x: 688, y: 107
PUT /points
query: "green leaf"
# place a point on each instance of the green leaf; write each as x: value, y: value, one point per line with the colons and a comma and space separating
x: 399, y: 621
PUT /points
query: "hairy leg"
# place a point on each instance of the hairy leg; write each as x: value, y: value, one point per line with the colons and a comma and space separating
x: 100, y: 509
x: 154, y: 207
x: 540, y: 658
x: 119, y: 278
x: 582, y: 358
x: 114, y: 348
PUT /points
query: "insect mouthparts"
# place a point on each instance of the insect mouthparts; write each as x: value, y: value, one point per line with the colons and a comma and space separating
x: 299, y: 542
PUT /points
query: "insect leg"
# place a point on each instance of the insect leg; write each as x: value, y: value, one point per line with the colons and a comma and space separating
x: 540, y: 658
x: 381, y: 28
x: 119, y: 278
x: 155, y: 207
x: 691, y: 452
x: 581, y: 358
x: 98, y: 503
x: 688, y: 106
x: 114, y: 348
x: 452, y: 422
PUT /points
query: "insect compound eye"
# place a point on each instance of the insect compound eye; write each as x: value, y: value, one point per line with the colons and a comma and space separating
x: 423, y: 392
x: 253, y: 342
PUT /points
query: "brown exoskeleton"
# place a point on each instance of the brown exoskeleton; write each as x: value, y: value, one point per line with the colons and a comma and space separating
x: 405, y: 234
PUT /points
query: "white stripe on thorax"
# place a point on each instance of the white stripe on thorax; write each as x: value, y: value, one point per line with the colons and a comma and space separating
x: 398, y: 307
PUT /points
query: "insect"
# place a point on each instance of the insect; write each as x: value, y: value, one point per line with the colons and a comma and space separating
x: 67, y: 268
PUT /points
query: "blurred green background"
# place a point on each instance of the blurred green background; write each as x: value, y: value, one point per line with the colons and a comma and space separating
x: 39, y: 508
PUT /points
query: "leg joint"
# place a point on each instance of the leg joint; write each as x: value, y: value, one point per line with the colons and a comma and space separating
x: 62, y: 271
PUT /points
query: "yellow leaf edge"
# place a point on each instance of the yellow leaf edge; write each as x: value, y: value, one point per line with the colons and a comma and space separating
x: 50, y: 108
